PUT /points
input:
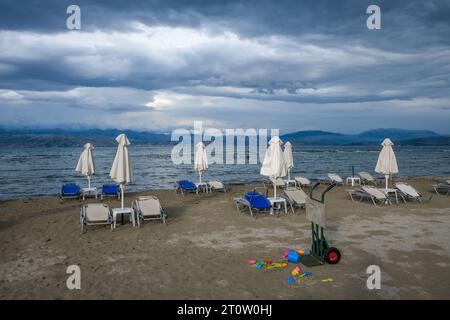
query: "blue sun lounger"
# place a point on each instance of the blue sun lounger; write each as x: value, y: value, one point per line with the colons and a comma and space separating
x: 185, y: 185
x: 70, y: 190
x: 253, y: 201
x: 110, y: 190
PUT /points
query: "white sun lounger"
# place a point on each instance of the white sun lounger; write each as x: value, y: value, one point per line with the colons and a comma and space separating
x: 149, y: 208
x: 336, y: 179
x: 217, y: 186
x: 408, y: 192
x: 95, y: 214
x: 302, y: 181
x: 376, y: 196
x: 367, y: 178
x: 442, y: 188
x: 279, y: 183
x: 295, y: 197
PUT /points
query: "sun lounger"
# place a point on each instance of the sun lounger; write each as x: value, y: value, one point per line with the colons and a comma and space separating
x: 217, y: 186
x: 295, y: 197
x: 303, y: 182
x: 185, y: 186
x: 408, y: 192
x: 110, y: 190
x: 95, y: 214
x: 70, y: 190
x: 376, y: 196
x: 334, y: 178
x: 442, y: 188
x: 253, y: 201
x: 149, y: 208
x: 367, y: 178
x: 279, y: 183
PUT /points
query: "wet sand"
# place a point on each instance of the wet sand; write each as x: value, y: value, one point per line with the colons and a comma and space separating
x: 203, y: 250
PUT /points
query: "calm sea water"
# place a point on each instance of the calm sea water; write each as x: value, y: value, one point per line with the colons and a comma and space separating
x: 27, y: 172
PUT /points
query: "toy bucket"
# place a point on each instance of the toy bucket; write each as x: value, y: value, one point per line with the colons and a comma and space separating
x: 294, y: 257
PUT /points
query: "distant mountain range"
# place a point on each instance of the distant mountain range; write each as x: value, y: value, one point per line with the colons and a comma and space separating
x: 398, y: 136
x: 98, y: 137
x: 69, y: 138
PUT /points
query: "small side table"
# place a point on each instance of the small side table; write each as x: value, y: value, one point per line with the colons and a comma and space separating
x: 289, y: 182
x: 87, y: 191
x: 274, y: 201
x: 203, y: 187
x: 122, y: 211
x: 389, y: 192
x: 353, y: 180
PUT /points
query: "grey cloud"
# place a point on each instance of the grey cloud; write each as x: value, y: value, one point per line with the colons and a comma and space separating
x: 305, y: 57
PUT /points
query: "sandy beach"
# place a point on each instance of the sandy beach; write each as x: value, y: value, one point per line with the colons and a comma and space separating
x: 203, y: 250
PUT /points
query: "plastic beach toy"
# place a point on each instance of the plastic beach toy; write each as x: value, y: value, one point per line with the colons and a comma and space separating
x: 277, y: 265
x: 300, y: 251
x: 293, y: 257
x: 251, y: 262
x: 290, y: 280
x: 327, y: 280
x: 258, y: 266
x: 297, y: 271
x: 286, y: 253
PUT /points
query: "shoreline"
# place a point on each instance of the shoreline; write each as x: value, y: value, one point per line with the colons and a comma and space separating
x: 433, y: 179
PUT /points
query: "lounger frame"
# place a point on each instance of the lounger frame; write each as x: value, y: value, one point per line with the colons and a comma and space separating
x: 241, y: 201
x: 84, y: 222
x: 292, y: 203
x: 441, y: 187
x: 62, y: 197
x: 365, y: 195
x: 140, y: 215
x: 406, y: 196
x: 178, y: 188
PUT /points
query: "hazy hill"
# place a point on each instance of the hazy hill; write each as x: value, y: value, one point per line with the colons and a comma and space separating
x: 317, y: 138
x: 394, y: 134
x: 374, y: 136
x: 99, y: 137
x: 61, y: 137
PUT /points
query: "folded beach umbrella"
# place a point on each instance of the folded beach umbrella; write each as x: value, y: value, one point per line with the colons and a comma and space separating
x: 274, y: 164
x: 121, y: 169
x: 387, y: 163
x: 200, y: 160
x: 85, y: 163
x: 289, y: 158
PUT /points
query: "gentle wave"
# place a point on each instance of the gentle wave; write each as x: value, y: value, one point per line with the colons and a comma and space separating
x: 28, y: 172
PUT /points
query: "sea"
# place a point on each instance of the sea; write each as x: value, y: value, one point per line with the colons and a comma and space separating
x: 33, y: 172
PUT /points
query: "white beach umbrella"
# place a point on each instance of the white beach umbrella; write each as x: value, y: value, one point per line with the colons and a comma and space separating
x: 387, y: 164
x: 274, y: 164
x: 85, y: 163
x: 121, y: 169
x: 289, y: 158
x: 200, y: 160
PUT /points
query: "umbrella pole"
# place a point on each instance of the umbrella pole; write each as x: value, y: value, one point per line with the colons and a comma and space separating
x: 289, y: 175
x: 121, y: 191
x: 387, y: 181
x: 274, y: 191
x: 200, y: 176
x: 89, y: 181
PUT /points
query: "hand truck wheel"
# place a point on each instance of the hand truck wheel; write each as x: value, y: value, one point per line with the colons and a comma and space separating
x: 332, y: 255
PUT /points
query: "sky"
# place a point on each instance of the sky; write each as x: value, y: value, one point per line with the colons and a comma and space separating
x: 289, y: 65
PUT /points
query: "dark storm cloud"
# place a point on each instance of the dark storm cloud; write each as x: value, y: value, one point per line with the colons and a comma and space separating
x: 301, y: 53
